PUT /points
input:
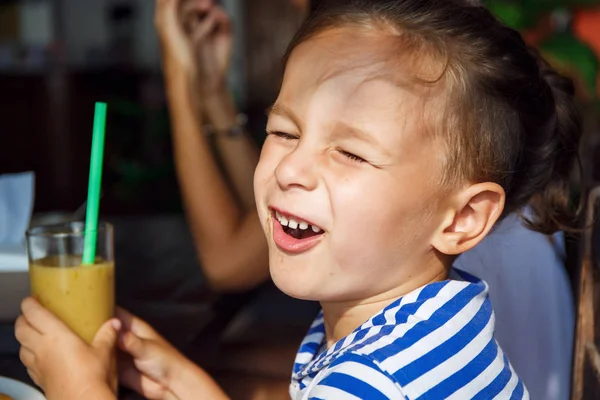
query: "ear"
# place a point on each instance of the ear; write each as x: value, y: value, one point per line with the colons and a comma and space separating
x: 470, y: 216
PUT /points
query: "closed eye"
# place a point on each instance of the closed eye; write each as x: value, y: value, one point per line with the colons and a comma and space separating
x: 351, y: 156
x: 283, y: 135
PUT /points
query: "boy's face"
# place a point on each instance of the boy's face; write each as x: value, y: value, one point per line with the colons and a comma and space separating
x: 376, y: 214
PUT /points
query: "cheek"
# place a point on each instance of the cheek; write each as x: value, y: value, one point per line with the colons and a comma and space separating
x: 378, y: 216
x: 265, y: 169
x: 259, y: 181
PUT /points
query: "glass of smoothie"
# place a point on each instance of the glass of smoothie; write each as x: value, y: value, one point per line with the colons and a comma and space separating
x: 82, y: 296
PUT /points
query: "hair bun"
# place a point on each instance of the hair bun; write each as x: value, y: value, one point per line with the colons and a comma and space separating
x: 552, y: 209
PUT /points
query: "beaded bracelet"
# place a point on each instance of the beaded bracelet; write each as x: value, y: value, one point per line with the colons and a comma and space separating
x: 235, y: 131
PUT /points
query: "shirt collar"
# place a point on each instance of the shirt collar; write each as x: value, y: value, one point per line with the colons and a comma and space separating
x: 309, y: 361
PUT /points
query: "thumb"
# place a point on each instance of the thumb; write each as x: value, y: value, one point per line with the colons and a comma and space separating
x: 106, y: 338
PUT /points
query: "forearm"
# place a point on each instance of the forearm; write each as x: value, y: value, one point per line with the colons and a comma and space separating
x: 230, y: 243
x: 238, y: 154
x: 244, y: 264
x: 211, y: 207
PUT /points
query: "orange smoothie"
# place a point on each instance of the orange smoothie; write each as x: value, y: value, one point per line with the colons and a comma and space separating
x: 82, y: 296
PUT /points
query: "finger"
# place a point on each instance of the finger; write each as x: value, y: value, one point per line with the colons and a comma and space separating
x: 27, y: 358
x: 132, y: 378
x: 106, y: 337
x: 34, y: 377
x: 132, y: 345
x: 195, y: 7
x: 204, y: 27
x: 123, y: 314
x: 192, y: 13
x: 134, y: 324
x: 39, y: 318
x: 26, y: 334
x: 128, y: 373
x: 222, y: 20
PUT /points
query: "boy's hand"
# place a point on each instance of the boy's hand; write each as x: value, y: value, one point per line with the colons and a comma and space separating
x: 155, y: 369
x: 58, y: 361
x: 195, y: 35
x: 149, y: 362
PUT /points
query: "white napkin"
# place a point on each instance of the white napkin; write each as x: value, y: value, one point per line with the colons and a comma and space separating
x: 16, y: 206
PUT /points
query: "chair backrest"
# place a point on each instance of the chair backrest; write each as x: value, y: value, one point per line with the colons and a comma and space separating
x: 586, y: 362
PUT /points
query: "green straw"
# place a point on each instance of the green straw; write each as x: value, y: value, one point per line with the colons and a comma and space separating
x: 93, y: 201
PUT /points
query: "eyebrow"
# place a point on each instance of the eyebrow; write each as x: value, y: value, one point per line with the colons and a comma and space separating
x: 342, y: 130
x: 283, y: 111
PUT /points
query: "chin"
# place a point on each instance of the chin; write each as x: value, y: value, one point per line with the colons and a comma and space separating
x: 296, y: 282
x: 308, y: 285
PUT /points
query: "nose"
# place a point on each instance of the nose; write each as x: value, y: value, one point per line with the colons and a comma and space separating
x: 298, y: 169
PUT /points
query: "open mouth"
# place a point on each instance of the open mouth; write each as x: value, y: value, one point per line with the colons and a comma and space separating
x: 296, y: 227
x: 294, y: 235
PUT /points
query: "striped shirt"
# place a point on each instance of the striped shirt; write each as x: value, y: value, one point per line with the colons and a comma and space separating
x: 433, y: 343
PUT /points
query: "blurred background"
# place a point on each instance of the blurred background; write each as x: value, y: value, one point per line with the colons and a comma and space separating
x: 59, y: 56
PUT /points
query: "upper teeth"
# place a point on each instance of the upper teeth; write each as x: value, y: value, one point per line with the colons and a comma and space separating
x: 292, y: 223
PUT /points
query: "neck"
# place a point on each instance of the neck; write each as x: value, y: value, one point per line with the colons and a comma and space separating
x: 343, y: 317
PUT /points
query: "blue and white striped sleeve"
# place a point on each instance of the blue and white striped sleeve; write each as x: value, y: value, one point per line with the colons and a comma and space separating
x: 354, y: 376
